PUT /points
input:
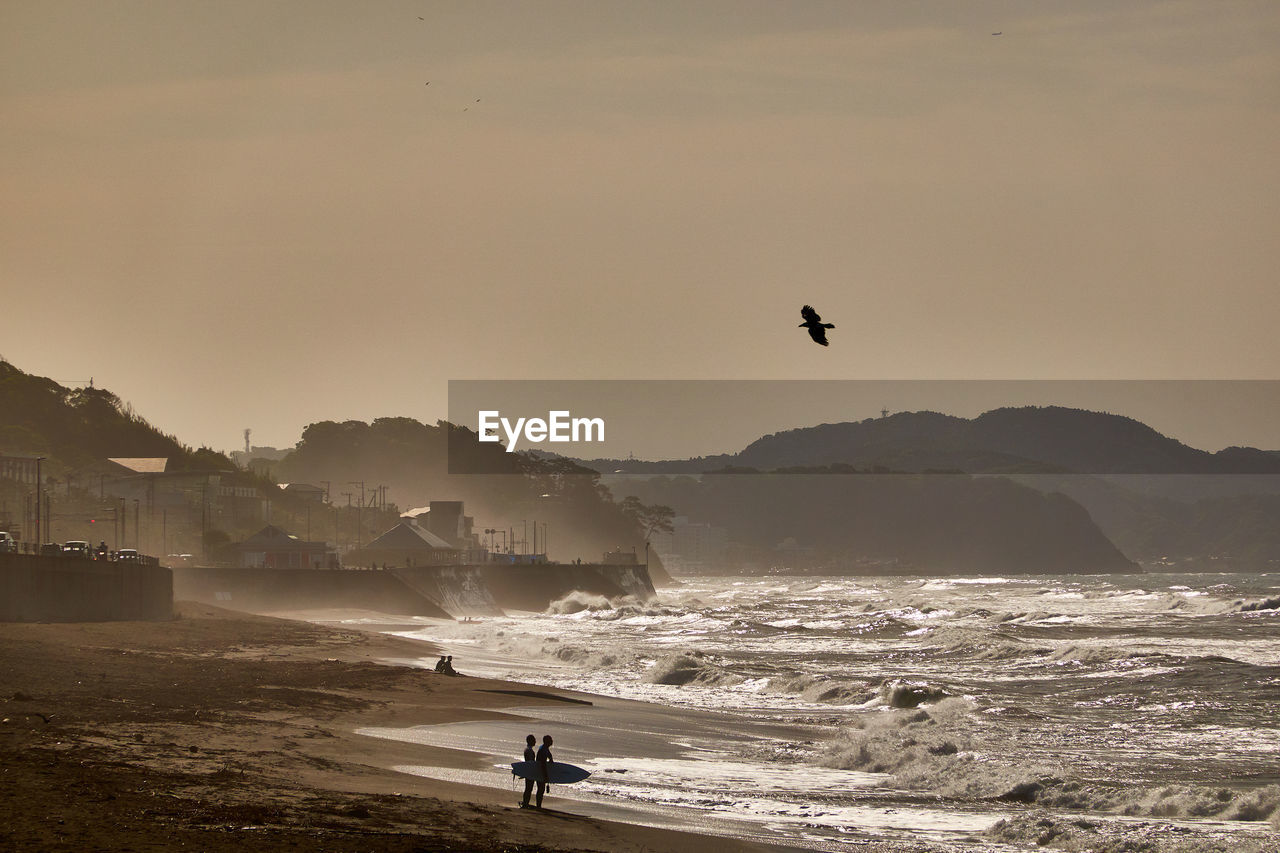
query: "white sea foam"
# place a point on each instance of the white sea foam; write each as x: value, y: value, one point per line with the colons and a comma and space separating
x: 1100, y: 699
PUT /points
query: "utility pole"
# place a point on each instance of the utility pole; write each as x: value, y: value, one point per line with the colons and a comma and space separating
x: 204, y: 521
x: 39, y: 500
x: 359, y: 512
x: 348, y: 497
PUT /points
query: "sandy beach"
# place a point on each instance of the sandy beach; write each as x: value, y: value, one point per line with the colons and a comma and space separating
x: 222, y: 730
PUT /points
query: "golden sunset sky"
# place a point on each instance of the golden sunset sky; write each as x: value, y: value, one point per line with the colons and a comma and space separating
x: 263, y: 214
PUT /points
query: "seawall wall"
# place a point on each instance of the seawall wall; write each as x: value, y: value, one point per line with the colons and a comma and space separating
x: 436, y: 591
x: 72, y: 589
x: 261, y: 590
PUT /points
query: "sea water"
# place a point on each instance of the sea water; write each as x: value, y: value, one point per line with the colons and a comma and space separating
x: 976, y: 713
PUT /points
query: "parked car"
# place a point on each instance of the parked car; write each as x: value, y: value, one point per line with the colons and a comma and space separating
x: 78, y: 548
x: 8, y: 545
x: 51, y: 549
x: 128, y: 555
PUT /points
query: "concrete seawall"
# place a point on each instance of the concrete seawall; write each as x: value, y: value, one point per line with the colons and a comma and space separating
x: 434, y: 591
x: 302, y: 589
x: 73, y: 589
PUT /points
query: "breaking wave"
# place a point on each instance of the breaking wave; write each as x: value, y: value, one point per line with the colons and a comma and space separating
x: 1078, y: 835
x: 818, y: 690
x: 692, y: 667
x: 600, y: 607
x: 936, y: 749
x: 578, y: 601
x: 983, y: 644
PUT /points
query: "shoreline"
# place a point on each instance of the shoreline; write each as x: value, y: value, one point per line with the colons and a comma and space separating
x: 221, y: 730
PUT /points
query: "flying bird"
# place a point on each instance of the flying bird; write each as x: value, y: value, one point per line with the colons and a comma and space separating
x: 817, y: 328
x: 999, y: 33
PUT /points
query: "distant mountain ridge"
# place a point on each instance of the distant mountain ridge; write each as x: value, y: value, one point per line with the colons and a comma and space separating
x: 1116, y: 467
x: 1025, y: 440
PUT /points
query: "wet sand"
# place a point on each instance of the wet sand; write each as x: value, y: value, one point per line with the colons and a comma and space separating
x: 222, y: 730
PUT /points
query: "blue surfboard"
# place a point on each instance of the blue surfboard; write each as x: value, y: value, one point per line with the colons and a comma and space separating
x: 558, y: 773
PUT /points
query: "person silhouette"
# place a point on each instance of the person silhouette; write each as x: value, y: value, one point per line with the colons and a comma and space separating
x: 529, y: 755
x: 544, y: 761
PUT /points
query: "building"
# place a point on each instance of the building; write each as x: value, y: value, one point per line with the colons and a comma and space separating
x: 21, y: 469
x: 148, y: 480
x: 691, y: 546
x: 305, y: 491
x: 407, y: 544
x: 449, y: 521
x: 274, y: 548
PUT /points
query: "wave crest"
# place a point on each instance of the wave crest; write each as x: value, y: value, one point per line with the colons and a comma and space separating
x: 818, y: 690
x: 691, y: 667
x: 936, y: 750
x: 1077, y: 835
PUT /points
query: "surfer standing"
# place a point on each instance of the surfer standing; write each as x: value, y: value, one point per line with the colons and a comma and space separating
x: 543, y: 758
x: 528, y: 783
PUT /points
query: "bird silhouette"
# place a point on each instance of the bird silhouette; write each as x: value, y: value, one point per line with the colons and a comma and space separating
x: 817, y: 328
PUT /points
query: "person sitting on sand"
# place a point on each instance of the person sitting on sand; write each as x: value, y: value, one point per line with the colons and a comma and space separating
x: 440, y: 664
x: 529, y: 755
x: 447, y: 668
x: 544, y: 760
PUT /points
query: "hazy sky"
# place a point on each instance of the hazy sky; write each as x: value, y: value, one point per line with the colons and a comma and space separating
x: 259, y: 214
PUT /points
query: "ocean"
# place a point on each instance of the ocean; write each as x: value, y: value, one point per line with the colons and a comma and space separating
x: 1105, y: 713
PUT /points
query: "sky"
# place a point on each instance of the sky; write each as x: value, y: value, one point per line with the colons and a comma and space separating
x: 265, y: 214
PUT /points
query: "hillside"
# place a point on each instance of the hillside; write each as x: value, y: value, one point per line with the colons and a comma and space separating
x: 1026, y: 440
x: 508, y: 491
x: 935, y: 523
x: 1158, y: 500
x: 1009, y: 440
x: 76, y: 426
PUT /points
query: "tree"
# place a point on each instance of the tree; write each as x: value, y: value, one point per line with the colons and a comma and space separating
x: 650, y: 518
